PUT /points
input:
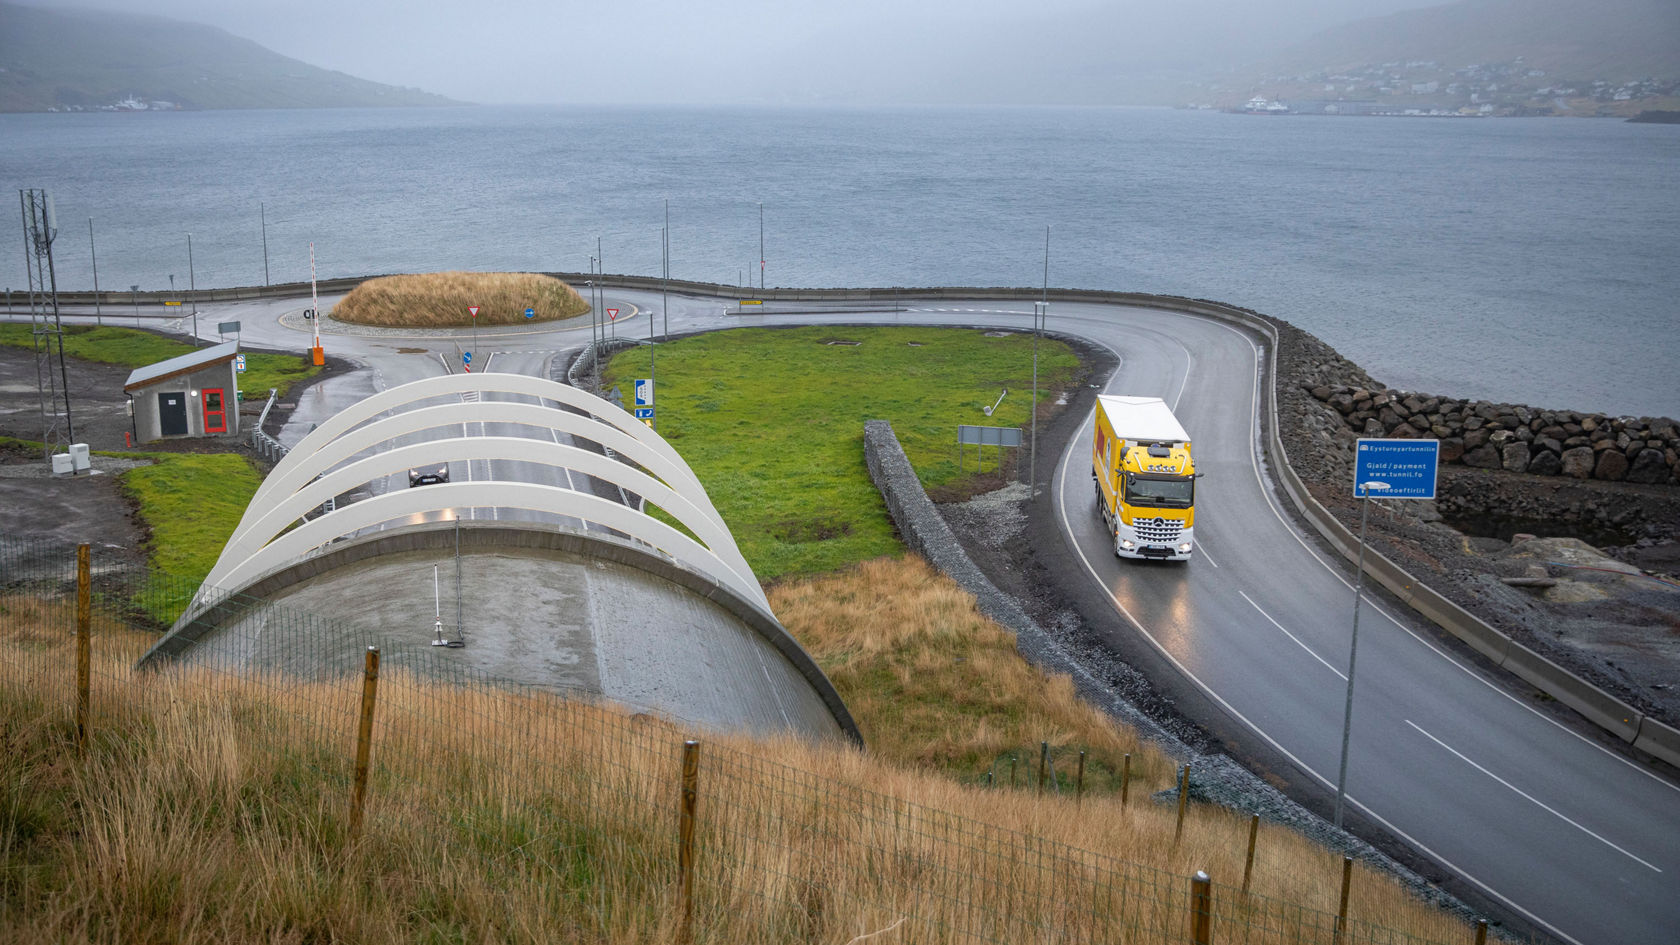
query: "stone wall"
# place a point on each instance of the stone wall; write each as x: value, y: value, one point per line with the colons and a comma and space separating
x: 1515, y: 438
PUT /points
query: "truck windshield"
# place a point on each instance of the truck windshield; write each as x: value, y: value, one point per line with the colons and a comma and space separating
x: 1172, y: 492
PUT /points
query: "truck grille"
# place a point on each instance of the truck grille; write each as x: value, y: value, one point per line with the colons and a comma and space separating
x: 1157, y: 529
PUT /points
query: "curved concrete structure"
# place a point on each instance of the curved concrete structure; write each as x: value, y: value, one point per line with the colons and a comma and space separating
x: 592, y: 595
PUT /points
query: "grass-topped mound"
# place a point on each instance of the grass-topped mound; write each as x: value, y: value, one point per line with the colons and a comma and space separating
x: 442, y: 300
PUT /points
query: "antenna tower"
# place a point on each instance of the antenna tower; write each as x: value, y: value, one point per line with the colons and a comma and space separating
x: 39, y: 231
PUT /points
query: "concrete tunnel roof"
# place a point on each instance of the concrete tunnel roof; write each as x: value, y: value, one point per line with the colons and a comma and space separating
x: 627, y: 608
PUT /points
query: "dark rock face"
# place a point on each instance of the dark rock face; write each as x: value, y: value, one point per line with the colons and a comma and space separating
x: 1578, y: 462
x: 1516, y: 456
x: 1650, y: 467
x: 1612, y: 465
x: 1483, y: 457
x: 1545, y: 463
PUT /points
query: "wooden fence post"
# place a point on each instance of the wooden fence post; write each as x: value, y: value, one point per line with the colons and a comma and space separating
x: 1183, y: 800
x: 364, y: 739
x: 1342, y: 910
x: 1125, y: 779
x: 1248, y: 867
x: 84, y: 644
x: 1079, y: 782
x: 1201, y: 909
x: 685, y: 834
x: 1043, y: 759
x: 1481, y: 932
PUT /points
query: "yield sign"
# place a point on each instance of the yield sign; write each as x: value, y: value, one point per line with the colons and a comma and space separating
x: 472, y: 310
x: 612, y: 314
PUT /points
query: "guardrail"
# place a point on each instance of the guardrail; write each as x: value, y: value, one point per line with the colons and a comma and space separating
x: 267, y: 446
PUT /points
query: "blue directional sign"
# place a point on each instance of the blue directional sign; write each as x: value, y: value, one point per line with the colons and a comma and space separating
x: 644, y: 392
x: 466, y: 357
x: 530, y: 313
x: 644, y: 413
x: 1396, y: 469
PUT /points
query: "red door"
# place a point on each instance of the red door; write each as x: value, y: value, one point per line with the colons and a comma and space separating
x: 215, y: 412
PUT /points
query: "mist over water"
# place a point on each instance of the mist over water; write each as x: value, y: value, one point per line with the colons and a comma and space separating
x: 1522, y: 260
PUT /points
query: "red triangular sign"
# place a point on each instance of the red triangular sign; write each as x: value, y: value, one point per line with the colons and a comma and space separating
x: 612, y: 314
x: 473, y: 309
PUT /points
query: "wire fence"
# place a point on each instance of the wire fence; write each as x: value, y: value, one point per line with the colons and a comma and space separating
x: 634, y: 813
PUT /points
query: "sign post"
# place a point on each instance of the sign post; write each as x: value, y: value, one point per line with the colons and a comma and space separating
x: 467, y: 360
x: 644, y: 396
x: 1396, y: 469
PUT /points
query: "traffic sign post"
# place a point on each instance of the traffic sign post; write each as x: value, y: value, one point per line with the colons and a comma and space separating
x: 466, y: 362
x: 644, y: 392
x: 1395, y: 469
x: 530, y: 313
x: 644, y: 413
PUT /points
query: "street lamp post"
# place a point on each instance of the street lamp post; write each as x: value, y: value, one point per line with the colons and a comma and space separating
x: 262, y: 212
x: 97, y: 319
x: 134, y: 296
x: 192, y: 286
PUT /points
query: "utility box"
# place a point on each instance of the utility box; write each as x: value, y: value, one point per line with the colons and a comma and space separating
x: 63, y: 465
x: 79, y: 457
x: 195, y: 394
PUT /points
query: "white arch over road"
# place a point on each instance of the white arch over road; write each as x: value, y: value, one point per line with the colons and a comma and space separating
x: 323, y: 465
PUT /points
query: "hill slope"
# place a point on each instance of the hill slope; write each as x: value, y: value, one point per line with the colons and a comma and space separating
x: 87, y: 59
x: 1613, y: 40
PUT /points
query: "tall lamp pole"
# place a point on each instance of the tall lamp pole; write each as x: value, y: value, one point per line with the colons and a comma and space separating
x: 1041, y: 313
x: 761, y: 259
x: 192, y: 286
x: 97, y: 320
x: 262, y: 213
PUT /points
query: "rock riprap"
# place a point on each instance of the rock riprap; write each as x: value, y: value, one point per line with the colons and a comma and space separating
x: 1516, y: 438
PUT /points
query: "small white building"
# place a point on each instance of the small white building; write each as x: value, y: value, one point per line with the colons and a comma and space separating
x: 195, y: 394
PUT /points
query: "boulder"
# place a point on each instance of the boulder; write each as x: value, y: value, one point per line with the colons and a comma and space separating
x: 1484, y: 457
x: 1475, y: 438
x: 1548, y: 443
x: 1648, y: 468
x: 1545, y: 463
x: 1612, y: 466
x: 1373, y: 427
x: 1321, y: 393
x: 1578, y: 462
x: 1515, y: 456
x: 1452, y: 449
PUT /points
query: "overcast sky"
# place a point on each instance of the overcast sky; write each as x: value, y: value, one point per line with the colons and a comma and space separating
x: 689, y: 51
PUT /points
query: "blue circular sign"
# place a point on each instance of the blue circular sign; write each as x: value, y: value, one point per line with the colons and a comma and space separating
x: 466, y: 357
x: 530, y: 313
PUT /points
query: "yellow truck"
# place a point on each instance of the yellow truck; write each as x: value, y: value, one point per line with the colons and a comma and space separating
x: 1145, y: 478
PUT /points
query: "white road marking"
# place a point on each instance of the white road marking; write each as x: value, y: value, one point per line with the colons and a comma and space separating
x: 1067, y: 527
x: 1531, y: 798
x: 1292, y: 636
x: 1336, y: 573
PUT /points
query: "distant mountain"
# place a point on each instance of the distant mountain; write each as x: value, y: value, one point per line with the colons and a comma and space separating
x: 90, y: 60
x: 1611, y: 40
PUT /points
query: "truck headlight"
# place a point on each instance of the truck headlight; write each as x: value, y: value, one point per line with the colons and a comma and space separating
x: 1184, y: 549
x: 1127, y: 544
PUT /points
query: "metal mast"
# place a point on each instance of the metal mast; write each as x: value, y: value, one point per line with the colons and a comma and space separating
x: 39, y: 231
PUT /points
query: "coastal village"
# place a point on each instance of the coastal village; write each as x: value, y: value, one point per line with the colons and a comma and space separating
x: 1426, y: 88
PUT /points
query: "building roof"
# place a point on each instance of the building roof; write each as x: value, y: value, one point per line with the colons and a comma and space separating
x: 185, y: 364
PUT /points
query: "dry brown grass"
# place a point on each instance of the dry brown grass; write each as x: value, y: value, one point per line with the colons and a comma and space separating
x: 440, y: 300
x: 210, y: 808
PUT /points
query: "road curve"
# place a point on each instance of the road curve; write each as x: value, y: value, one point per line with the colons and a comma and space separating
x: 1516, y: 800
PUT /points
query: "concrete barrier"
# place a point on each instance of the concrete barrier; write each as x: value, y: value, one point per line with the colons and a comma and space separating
x: 1658, y: 738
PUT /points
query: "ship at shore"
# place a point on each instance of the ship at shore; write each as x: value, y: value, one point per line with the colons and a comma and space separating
x: 1260, y: 105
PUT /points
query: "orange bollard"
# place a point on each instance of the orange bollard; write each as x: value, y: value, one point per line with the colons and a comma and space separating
x: 318, y: 355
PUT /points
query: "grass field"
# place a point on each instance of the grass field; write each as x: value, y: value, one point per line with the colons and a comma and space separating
x: 128, y: 347
x: 212, y: 808
x: 442, y: 299
x: 771, y: 420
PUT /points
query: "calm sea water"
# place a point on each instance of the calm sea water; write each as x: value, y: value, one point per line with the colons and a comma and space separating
x: 1525, y: 260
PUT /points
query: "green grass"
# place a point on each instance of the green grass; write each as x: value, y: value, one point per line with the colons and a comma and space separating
x: 128, y: 347
x: 189, y: 503
x: 771, y: 420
